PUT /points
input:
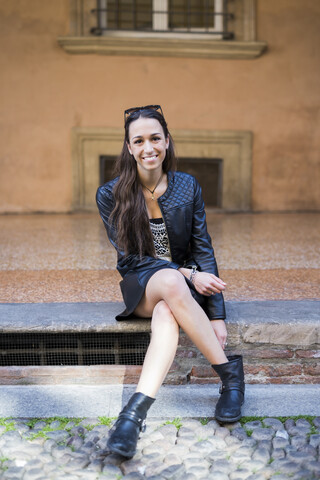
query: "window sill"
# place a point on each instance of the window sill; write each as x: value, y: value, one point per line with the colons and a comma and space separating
x: 162, y: 46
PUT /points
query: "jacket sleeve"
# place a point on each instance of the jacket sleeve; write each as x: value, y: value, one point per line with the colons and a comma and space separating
x: 126, y: 263
x: 203, y: 253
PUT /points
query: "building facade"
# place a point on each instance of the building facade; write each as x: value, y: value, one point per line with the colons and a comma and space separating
x: 243, y: 106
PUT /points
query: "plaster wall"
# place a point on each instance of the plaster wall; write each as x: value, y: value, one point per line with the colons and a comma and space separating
x: 45, y: 92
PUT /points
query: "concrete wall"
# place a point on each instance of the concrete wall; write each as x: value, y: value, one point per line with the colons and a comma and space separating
x: 45, y: 92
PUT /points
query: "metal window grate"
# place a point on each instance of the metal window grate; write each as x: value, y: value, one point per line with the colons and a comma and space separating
x: 208, y: 171
x: 22, y: 349
x: 179, y: 16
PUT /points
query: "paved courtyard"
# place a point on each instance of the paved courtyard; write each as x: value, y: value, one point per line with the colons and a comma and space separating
x: 67, y: 258
x: 185, y: 449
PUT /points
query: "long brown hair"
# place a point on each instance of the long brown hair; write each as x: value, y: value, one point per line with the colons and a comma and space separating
x: 130, y: 212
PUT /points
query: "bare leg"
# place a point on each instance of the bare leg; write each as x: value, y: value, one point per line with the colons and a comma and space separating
x: 161, y: 351
x: 169, y: 301
x: 170, y: 286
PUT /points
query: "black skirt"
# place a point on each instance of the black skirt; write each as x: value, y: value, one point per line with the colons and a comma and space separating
x: 133, y: 288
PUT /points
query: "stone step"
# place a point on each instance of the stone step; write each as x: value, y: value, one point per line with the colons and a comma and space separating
x: 280, y: 342
x: 172, y: 401
x: 99, y: 317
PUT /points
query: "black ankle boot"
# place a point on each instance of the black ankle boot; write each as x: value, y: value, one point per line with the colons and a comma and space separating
x: 129, y: 424
x: 228, y: 408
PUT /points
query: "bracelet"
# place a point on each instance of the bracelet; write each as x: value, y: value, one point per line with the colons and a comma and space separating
x: 193, y: 273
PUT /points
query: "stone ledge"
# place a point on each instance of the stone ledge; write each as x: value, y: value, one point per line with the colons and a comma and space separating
x: 183, y: 401
x: 66, y: 317
x: 279, y: 341
x: 258, y: 322
x: 274, y: 312
x: 100, y: 316
x: 162, y: 46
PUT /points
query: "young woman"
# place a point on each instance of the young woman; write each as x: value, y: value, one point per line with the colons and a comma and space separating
x: 155, y: 218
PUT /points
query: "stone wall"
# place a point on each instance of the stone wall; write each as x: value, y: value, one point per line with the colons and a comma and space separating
x: 263, y: 363
x: 279, y: 340
x: 46, y: 92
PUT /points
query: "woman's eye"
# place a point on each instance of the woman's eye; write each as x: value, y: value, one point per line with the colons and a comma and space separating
x: 156, y: 138
x: 137, y: 141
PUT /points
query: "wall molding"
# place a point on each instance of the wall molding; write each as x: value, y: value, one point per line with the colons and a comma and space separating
x: 164, y: 44
x: 162, y: 47
x: 233, y: 146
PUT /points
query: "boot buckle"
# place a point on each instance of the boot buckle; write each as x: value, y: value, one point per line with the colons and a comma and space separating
x: 221, y: 389
x: 143, y: 426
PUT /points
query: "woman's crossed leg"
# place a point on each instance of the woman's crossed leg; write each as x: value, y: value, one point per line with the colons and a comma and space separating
x: 168, y: 301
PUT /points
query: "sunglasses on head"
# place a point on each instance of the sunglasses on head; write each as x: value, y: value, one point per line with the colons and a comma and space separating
x: 130, y: 111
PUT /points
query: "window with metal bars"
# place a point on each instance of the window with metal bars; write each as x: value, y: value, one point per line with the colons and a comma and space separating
x: 103, y: 348
x: 179, y: 16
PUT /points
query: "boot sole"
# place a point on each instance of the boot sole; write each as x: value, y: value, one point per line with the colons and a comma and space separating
x: 123, y: 453
x: 228, y: 419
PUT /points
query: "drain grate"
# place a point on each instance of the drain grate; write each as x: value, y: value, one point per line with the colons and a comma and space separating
x: 23, y: 349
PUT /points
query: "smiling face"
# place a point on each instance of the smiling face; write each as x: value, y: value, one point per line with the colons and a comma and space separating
x: 148, y: 144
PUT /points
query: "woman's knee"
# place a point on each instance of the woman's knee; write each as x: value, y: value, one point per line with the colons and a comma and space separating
x: 163, y: 319
x: 173, y: 284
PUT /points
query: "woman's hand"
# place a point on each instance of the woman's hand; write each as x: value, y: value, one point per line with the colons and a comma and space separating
x: 208, y: 284
x: 220, y: 330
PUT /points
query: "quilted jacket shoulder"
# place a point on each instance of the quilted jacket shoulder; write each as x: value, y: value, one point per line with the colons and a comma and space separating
x: 181, y: 189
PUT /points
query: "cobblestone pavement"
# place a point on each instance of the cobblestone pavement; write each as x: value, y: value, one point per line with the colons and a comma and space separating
x: 185, y: 449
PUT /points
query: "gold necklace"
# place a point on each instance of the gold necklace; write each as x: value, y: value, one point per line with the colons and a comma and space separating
x: 152, y: 191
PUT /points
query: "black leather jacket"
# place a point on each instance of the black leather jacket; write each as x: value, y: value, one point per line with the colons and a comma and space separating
x: 182, y: 209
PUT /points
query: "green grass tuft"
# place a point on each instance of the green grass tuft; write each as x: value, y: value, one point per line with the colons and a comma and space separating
x: 202, y: 439
x: 31, y: 423
x: 106, y: 420
x: 3, y: 468
x: 309, y: 418
x: 9, y: 426
x: 204, y: 421
x: 313, y: 431
x: 43, y: 432
x: 244, y: 420
x: 63, y: 422
x: 177, y: 422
